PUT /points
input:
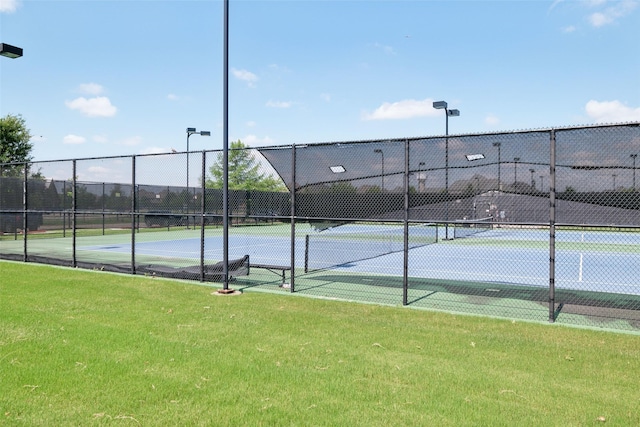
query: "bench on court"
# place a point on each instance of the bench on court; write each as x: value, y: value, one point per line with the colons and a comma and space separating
x: 277, y: 269
x: 213, y: 272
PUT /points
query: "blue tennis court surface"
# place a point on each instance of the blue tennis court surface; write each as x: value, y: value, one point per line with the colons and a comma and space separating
x: 594, y: 261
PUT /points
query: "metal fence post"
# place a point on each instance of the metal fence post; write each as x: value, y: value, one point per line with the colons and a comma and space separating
x: 25, y: 198
x: 552, y: 226
x: 133, y: 214
x: 202, y: 214
x: 293, y: 218
x: 405, y: 273
x: 74, y: 206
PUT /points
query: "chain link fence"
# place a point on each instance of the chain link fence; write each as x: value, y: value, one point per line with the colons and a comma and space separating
x: 541, y: 224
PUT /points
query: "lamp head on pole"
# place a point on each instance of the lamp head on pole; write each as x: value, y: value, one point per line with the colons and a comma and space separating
x: 439, y: 105
x: 192, y: 131
x: 453, y: 113
x: 10, y: 51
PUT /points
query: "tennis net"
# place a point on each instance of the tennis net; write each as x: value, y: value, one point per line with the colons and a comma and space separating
x: 466, y: 228
x: 357, y: 242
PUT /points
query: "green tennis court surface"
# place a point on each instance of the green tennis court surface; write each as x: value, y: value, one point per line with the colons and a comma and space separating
x: 594, y: 271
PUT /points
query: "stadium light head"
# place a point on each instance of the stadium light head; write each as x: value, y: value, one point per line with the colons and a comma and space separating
x: 439, y: 105
x: 191, y: 130
x: 205, y: 133
x: 337, y: 169
x: 453, y: 113
x: 10, y: 51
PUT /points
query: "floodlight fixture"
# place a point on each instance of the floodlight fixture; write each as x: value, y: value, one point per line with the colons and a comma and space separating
x: 10, y: 51
x: 453, y: 113
x: 191, y: 130
x: 472, y: 157
x: 439, y: 105
x: 337, y: 169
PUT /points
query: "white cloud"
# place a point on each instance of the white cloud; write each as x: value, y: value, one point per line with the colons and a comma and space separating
x: 405, y: 109
x: 73, y: 139
x: 491, y: 120
x: 253, y: 141
x: 91, y: 88
x: 251, y: 124
x: 609, y: 15
x: 99, y: 106
x: 611, y: 112
x: 172, y: 97
x: 9, y: 6
x: 155, y: 150
x: 246, y: 76
x: 100, y: 139
x: 325, y: 97
x: 98, y: 169
x: 555, y: 3
x: 279, y: 104
x: 386, y: 49
x: 569, y: 29
x: 133, y: 140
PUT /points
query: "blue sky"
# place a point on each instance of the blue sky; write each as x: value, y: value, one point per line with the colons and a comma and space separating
x: 103, y: 78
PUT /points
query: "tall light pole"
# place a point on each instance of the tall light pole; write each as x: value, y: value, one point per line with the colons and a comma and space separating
x: 634, y: 156
x: 10, y: 51
x: 541, y: 183
x: 533, y: 183
x: 379, y: 151
x: 515, y: 172
x: 442, y: 105
x: 497, y: 144
x: 421, y: 178
x: 192, y: 131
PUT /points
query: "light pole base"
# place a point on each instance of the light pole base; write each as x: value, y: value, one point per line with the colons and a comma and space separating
x: 226, y: 292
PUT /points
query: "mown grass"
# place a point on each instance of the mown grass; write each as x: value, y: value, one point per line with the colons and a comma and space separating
x: 91, y: 348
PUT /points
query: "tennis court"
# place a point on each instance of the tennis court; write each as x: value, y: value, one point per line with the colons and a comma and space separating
x: 588, y: 261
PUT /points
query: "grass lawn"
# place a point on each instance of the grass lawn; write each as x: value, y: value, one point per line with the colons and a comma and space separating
x: 90, y: 348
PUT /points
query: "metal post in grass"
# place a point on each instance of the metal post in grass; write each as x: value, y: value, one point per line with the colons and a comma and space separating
x: 293, y: 218
x: 405, y: 269
x: 225, y: 154
x: 552, y: 227
x: 203, y: 206
x: 25, y: 200
x: 133, y: 215
x: 103, y: 225
x: 74, y: 209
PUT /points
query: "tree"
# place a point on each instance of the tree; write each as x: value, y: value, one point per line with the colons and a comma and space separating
x: 244, y: 172
x: 14, y: 143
